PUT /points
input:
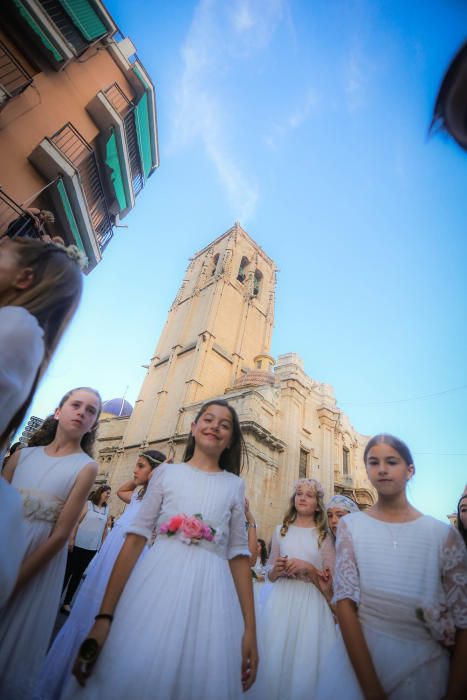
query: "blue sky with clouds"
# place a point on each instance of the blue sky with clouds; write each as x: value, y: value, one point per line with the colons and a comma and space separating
x: 306, y: 121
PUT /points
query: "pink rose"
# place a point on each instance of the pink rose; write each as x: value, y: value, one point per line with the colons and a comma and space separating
x: 207, y: 533
x: 164, y: 528
x: 176, y: 523
x: 192, y: 528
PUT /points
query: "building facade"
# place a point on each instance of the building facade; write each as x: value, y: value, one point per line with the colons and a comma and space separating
x: 78, y: 129
x: 216, y: 343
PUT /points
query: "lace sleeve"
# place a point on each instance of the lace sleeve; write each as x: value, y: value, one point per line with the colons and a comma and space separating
x: 238, y: 538
x: 454, y: 575
x: 328, y: 554
x: 346, y: 579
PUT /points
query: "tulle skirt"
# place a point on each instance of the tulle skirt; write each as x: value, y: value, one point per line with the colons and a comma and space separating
x: 296, y: 630
x: 408, y: 669
x: 61, y: 656
x: 176, y: 633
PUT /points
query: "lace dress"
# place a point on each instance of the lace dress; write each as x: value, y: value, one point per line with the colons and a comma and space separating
x: 178, y: 626
x: 295, y: 627
x: 62, y: 653
x: 409, y: 581
x: 27, y: 620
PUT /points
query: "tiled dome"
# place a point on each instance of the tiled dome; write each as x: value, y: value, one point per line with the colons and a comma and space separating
x: 117, y: 407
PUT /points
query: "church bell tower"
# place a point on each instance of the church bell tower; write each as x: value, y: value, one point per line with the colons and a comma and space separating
x: 221, y: 320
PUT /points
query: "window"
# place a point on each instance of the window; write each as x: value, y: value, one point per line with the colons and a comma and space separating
x: 243, y: 269
x: 257, y: 283
x: 258, y: 364
x: 345, y: 460
x: 303, y: 464
x: 215, y: 260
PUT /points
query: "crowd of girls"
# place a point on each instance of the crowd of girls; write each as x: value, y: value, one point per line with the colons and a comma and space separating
x: 356, y: 604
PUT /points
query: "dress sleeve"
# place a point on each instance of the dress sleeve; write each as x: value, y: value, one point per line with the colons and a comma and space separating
x: 21, y: 353
x: 328, y: 554
x: 146, y: 519
x: 454, y: 576
x: 238, y: 539
x: 346, y: 579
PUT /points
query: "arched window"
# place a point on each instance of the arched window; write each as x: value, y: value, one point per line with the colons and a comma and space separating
x: 214, y: 262
x: 242, y: 270
x: 257, y: 281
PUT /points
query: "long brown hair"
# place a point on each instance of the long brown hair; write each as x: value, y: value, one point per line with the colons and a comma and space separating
x: 95, y: 496
x: 52, y: 298
x: 320, y: 514
x: 46, y: 433
x: 232, y: 457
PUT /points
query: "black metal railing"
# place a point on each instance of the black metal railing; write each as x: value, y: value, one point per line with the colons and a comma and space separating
x: 77, y: 150
x: 13, y: 77
x: 11, y: 211
x: 64, y: 25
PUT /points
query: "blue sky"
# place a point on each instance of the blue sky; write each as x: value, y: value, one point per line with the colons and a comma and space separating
x: 307, y: 122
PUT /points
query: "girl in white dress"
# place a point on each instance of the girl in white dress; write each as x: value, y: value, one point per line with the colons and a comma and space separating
x: 40, y: 288
x: 178, y: 630
x: 54, y: 481
x: 88, y: 534
x: 336, y: 508
x: 62, y: 653
x: 401, y: 593
x: 296, y: 626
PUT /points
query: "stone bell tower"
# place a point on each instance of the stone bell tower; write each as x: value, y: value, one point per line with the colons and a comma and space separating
x: 220, y: 321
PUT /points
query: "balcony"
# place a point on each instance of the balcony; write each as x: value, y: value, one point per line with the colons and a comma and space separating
x: 80, y: 154
x: 126, y: 111
x: 59, y: 29
x: 69, y: 159
x: 13, y: 77
x: 9, y: 211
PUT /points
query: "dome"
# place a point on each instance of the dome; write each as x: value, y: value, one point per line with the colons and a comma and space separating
x: 117, y: 407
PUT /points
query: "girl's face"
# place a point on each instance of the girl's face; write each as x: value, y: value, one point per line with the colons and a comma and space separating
x: 79, y: 413
x: 214, y: 429
x: 387, y: 471
x: 142, y: 471
x: 463, y: 512
x: 306, y: 502
x: 334, y: 515
x: 12, y: 273
x: 105, y: 496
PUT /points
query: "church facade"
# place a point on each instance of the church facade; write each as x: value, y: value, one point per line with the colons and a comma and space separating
x: 216, y: 343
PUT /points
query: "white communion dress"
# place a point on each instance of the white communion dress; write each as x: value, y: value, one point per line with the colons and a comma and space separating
x: 409, y: 581
x: 27, y: 620
x: 296, y: 628
x: 178, y: 626
x: 62, y: 653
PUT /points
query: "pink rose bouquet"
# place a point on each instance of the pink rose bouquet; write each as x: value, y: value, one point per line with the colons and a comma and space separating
x: 189, y: 529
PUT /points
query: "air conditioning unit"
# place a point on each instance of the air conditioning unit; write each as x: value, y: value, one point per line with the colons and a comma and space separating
x: 126, y: 47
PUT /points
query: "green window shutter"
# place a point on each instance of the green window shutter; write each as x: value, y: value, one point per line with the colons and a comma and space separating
x: 112, y: 159
x: 143, y: 133
x: 85, y: 18
x: 69, y: 215
x: 29, y: 19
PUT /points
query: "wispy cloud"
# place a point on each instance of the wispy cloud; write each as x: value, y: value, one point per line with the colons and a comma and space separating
x: 298, y: 116
x: 220, y: 34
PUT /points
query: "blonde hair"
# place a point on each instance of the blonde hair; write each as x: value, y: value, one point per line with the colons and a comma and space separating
x: 320, y: 514
x: 52, y: 298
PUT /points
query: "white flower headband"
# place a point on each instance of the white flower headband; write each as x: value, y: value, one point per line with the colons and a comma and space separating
x: 74, y: 253
x: 310, y: 482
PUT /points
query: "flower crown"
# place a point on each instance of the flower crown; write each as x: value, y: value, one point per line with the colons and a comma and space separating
x: 72, y: 252
x: 310, y: 482
x: 153, y: 460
